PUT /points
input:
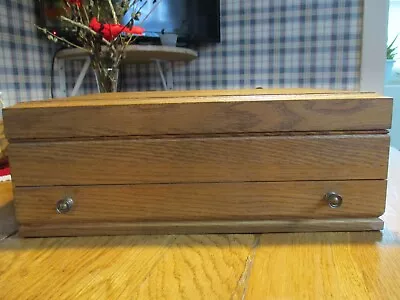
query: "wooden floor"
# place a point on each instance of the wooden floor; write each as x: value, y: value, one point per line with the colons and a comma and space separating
x: 364, y: 265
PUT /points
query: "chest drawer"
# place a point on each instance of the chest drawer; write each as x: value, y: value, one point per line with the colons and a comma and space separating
x: 208, y: 159
x: 199, y: 202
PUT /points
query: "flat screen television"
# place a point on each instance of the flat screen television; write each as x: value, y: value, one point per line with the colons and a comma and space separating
x: 195, y: 21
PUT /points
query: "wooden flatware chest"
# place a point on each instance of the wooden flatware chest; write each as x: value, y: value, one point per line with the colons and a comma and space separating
x: 200, y: 162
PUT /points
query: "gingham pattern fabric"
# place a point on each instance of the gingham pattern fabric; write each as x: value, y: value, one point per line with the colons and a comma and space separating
x: 266, y: 43
x: 72, y: 70
x: 274, y: 43
x: 25, y: 60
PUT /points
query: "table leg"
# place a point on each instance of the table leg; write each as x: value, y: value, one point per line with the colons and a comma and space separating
x: 170, y: 78
x: 60, y: 64
x: 81, y: 76
x: 160, y: 71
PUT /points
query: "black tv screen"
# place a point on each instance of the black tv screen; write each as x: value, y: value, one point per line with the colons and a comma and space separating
x: 195, y: 21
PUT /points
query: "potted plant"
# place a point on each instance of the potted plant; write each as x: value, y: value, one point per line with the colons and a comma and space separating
x: 100, y: 34
x: 390, y: 55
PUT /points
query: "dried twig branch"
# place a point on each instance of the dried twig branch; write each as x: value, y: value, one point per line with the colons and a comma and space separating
x: 132, y: 38
x: 90, y: 39
x: 84, y: 27
x: 86, y: 14
x: 152, y: 9
x: 113, y: 12
x: 98, y: 10
x: 62, y: 39
x: 104, y: 54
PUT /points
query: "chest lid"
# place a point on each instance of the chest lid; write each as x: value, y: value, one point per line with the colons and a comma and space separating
x: 198, y: 112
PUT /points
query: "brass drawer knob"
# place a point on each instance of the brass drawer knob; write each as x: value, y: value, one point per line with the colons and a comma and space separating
x: 64, y: 205
x: 334, y: 199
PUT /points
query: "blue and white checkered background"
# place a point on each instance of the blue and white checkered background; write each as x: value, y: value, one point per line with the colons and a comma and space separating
x: 25, y: 60
x: 274, y: 43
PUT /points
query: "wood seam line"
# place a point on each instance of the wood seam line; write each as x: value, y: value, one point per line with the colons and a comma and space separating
x: 170, y: 240
x: 243, y: 282
x: 4, y: 237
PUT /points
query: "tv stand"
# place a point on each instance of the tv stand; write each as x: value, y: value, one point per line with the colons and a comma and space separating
x: 134, y: 54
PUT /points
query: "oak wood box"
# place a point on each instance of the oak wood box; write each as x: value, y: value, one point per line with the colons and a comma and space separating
x: 200, y: 162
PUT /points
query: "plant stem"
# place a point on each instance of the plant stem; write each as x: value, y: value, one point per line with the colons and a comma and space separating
x: 84, y: 27
x: 132, y: 38
x: 153, y: 8
x: 62, y: 39
x: 113, y: 12
x: 86, y: 14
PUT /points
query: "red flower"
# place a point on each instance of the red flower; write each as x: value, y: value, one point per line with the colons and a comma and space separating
x: 111, y: 31
x: 75, y: 2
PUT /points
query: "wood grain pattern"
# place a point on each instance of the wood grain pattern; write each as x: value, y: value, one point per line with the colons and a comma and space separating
x: 91, y: 98
x: 200, y: 160
x: 6, y: 192
x: 123, y: 115
x: 3, y: 145
x: 334, y: 266
x: 319, y: 265
x: 201, y: 202
x: 68, y: 260
x: 123, y: 267
x: 202, y: 270
x: 360, y: 264
x: 201, y: 227
x: 8, y: 223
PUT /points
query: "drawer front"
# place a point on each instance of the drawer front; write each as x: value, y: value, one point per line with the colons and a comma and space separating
x: 217, y: 159
x: 197, y: 202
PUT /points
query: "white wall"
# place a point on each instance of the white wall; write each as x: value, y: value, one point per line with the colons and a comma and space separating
x: 394, y: 22
x: 373, y: 56
x: 393, y: 30
x: 392, y: 89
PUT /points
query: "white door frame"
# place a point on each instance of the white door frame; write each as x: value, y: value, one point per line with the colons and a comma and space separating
x: 373, y: 52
